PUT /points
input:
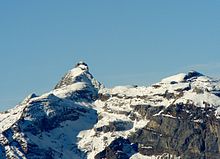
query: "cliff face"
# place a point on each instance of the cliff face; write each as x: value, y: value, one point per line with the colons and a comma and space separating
x: 176, y: 132
x: 181, y: 130
x: 178, y: 117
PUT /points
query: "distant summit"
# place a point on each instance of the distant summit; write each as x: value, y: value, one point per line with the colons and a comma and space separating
x: 80, y: 73
x: 82, y: 65
x: 182, y: 77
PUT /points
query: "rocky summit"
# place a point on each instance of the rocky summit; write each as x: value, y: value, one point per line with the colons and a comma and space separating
x: 176, y: 118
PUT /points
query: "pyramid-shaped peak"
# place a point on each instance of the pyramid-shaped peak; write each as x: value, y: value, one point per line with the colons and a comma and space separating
x: 80, y: 73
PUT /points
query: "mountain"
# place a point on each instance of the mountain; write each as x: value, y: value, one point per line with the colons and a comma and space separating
x: 178, y: 117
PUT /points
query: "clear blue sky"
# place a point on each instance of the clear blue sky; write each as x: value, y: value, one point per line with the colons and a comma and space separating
x: 123, y: 41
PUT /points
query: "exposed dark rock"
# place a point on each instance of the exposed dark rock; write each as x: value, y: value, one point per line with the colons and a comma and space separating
x: 85, y: 94
x: 104, y: 97
x: 169, y: 95
x: 2, y: 152
x: 86, y: 67
x: 182, y: 130
x: 147, y: 111
x: 217, y: 93
x: 156, y: 86
x: 184, y: 89
x: 115, y: 126
x: 119, y: 149
x: 173, y: 82
x: 192, y: 74
x: 198, y: 90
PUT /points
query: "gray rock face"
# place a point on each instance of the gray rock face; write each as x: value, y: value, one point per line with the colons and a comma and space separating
x: 119, y: 149
x: 115, y: 126
x: 192, y: 74
x: 180, y: 130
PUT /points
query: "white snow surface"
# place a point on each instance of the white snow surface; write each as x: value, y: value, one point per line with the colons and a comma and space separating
x: 64, y: 91
x: 176, y: 78
x: 8, y: 118
x: 140, y: 156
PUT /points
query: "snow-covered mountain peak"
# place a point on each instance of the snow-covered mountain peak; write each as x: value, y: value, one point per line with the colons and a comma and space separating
x: 80, y: 73
x: 82, y: 65
x: 80, y: 119
x: 182, y: 77
x: 175, y: 78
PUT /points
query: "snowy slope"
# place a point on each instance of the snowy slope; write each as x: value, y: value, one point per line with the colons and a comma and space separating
x: 81, y: 119
x: 118, y: 104
x: 46, y: 126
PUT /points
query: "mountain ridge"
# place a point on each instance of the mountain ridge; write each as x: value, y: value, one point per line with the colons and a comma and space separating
x: 80, y: 118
